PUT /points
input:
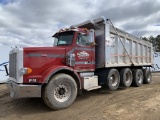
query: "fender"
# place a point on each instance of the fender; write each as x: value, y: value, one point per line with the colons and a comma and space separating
x: 54, y: 69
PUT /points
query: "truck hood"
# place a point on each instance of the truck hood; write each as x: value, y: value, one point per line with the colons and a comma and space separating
x: 41, y: 58
x: 45, y: 50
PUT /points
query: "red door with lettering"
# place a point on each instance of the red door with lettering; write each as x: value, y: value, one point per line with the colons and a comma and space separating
x: 84, y: 54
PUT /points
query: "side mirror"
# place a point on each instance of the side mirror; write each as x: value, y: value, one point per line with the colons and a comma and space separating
x: 91, y: 35
x: 91, y: 38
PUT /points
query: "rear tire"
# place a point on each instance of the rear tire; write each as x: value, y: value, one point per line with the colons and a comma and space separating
x: 125, y: 77
x: 113, y: 79
x: 147, y: 76
x: 137, y: 77
x: 60, y: 92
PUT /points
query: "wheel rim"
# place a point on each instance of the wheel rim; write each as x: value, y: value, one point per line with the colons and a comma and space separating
x: 114, y: 79
x: 149, y: 77
x: 140, y: 78
x: 128, y: 77
x: 62, y: 92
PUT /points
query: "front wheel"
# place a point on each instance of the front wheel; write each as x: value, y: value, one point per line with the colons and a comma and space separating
x: 60, y: 92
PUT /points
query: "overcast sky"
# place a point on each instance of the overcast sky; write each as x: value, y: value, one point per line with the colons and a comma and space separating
x: 33, y: 22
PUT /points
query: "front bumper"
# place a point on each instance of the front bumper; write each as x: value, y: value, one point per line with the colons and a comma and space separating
x: 23, y: 90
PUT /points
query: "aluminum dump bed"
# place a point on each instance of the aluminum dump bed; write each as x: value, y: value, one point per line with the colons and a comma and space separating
x: 117, y: 48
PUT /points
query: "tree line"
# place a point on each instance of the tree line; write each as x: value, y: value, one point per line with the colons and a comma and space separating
x: 155, y: 41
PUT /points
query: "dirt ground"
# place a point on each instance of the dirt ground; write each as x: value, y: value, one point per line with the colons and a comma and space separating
x: 134, y: 103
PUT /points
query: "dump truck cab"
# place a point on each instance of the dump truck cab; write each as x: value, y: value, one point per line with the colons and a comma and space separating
x: 80, y: 47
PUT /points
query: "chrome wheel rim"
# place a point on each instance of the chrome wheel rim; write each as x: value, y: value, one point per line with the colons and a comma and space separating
x: 114, y: 79
x: 149, y: 77
x: 62, y: 92
x: 140, y: 78
x: 128, y: 77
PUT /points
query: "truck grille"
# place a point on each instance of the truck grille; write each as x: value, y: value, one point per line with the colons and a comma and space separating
x: 13, y: 65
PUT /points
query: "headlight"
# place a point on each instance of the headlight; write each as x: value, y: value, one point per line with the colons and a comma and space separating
x: 25, y: 71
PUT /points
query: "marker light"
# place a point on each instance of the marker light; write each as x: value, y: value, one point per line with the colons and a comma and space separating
x: 26, y: 71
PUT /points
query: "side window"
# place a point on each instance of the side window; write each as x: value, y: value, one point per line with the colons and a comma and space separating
x: 82, y: 40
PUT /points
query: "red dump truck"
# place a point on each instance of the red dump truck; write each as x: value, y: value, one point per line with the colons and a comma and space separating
x: 85, y: 56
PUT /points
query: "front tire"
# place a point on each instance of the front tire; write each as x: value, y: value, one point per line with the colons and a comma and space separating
x: 60, y: 92
x: 113, y: 79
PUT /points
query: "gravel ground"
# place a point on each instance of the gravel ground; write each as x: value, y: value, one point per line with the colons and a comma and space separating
x: 134, y: 103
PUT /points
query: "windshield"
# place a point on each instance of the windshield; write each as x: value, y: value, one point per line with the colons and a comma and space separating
x: 64, y: 38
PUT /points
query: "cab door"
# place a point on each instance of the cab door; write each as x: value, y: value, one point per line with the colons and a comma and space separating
x: 85, y: 52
